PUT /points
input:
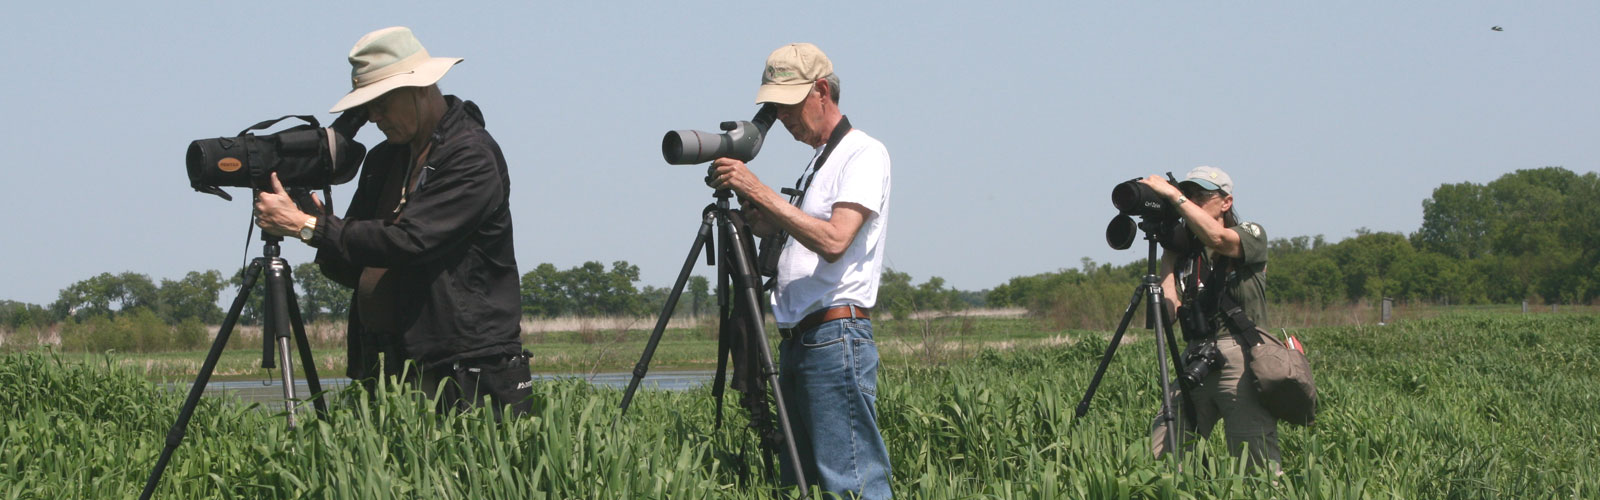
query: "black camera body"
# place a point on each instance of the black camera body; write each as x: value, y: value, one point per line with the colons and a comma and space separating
x: 304, y: 156
x: 1199, y: 361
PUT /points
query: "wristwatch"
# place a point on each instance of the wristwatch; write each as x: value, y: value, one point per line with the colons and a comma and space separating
x: 1179, y: 201
x: 308, y: 230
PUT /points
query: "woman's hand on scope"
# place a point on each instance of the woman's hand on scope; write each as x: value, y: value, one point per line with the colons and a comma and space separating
x: 1162, y: 186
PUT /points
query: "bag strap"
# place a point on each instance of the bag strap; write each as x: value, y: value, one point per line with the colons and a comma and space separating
x: 268, y: 123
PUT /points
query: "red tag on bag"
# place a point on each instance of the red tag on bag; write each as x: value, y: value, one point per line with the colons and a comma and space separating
x: 1295, y: 344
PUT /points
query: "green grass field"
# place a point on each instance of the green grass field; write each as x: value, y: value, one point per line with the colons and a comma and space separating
x: 1471, y: 405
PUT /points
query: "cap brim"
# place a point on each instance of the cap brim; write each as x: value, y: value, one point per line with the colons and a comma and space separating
x: 782, y: 94
x: 1205, y: 184
x: 428, y: 73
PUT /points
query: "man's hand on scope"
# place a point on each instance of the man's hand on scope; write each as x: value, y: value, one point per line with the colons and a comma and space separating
x: 728, y: 173
x: 276, y: 212
x: 350, y: 122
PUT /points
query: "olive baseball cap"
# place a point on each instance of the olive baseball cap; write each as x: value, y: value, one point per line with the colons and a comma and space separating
x: 1210, y: 178
x: 790, y: 72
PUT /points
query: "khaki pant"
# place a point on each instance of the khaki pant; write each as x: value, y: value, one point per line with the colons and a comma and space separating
x: 1228, y: 394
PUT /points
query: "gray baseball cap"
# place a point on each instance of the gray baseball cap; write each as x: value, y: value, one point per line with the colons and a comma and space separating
x: 1210, y: 178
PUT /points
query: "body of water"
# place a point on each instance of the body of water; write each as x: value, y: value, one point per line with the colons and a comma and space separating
x: 269, y: 391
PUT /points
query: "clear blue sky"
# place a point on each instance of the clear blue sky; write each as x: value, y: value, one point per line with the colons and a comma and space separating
x: 1008, y: 125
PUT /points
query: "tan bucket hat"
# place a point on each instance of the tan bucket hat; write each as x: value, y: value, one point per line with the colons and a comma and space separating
x: 790, y: 72
x: 388, y: 59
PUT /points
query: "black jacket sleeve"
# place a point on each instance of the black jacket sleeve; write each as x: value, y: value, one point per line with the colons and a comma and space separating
x: 461, y: 188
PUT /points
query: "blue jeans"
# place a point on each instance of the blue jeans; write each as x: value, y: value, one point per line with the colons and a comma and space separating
x: 829, y: 377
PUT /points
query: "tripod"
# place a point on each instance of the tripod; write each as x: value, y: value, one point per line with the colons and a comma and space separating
x: 1156, y: 319
x: 280, y: 316
x: 742, y: 278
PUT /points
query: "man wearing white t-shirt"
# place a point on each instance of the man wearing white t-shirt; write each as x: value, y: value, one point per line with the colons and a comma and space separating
x: 827, y: 276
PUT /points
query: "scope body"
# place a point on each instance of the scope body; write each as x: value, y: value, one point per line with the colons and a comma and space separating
x: 740, y: 140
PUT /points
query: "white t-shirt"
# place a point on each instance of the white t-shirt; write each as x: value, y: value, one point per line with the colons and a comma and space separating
x: 857, y: 172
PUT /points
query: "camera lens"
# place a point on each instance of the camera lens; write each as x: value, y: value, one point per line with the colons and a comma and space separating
x: 1196, y: 372
x: 1200, y: 363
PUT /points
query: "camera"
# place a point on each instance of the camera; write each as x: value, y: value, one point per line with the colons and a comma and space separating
x: 740, y: 140
x: 304, y: 156
x: 1199, y: 361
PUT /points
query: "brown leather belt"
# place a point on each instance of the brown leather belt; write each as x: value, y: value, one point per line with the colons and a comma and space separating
x: 819, y: 317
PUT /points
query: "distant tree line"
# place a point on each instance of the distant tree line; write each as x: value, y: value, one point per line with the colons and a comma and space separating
x: 592, y: 290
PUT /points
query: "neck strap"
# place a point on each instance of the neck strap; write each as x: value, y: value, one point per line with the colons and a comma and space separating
x: 803, y: 184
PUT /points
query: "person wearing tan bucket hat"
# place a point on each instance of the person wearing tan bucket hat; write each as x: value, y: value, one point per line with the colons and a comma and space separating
x: 827, y: 274
x: 426, y: 242
x: 1231, y: 256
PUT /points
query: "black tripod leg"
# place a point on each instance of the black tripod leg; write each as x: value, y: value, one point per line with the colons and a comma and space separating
x: 749, y: 285
x: 1105, y: 360
x: 308, y: 361
x: 181, y: 426
x: 1164, y: 337
x: 643, y: 366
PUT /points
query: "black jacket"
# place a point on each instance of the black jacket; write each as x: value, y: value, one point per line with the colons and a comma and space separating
x: 450, y: 251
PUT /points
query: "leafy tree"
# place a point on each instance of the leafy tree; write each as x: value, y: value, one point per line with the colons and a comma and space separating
x: 543, y: 293
x: 699, y: 296
x: 1456, y: 221
x: 895, y: 293
x: 1436, y: 278
x: 587, y: 290
x: 20, y: 315
x: 1307, y: 277
x: 194, y: 296
x: 320, y: 297
x: 900, y: 298
x: 1534, y: 233
x: 251, y: 315
x: 105, y: 295
x: 1365, y: 262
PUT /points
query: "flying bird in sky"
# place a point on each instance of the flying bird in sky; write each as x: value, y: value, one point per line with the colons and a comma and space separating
x: 1497, y: 28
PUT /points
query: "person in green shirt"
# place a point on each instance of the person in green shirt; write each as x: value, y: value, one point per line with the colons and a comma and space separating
x: 1222, y: 252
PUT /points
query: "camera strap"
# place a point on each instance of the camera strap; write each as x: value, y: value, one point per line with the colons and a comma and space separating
x: 771, y: 248
x: 839, y: 131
